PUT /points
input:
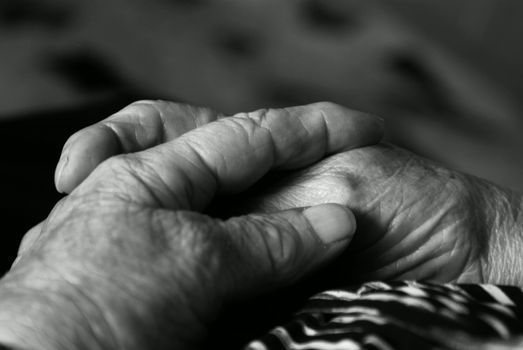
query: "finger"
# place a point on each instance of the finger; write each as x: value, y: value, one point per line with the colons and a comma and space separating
x: 276, y: 250
x: 231, y: 154
x: 141, y: 125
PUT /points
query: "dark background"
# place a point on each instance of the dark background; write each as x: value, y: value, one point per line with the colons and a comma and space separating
x: 30, y: 146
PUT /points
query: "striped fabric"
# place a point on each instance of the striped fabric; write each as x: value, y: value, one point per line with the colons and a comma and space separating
x: 404, y: 315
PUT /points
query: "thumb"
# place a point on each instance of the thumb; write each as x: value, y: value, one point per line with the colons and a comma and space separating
x: 275, y: 250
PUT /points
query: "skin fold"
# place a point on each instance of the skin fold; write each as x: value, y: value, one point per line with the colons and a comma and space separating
x: 416, y: 219
x: 173, y: 210
x: 129, y: 259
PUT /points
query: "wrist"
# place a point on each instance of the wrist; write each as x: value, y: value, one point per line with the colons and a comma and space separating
x: 44, y: 315
x: 501, y: 258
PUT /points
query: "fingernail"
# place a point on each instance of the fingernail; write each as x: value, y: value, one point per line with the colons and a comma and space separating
x: 58, y: 177
x: 332, y: 222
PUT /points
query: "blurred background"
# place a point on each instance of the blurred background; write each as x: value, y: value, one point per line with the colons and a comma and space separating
x: 446, y: 75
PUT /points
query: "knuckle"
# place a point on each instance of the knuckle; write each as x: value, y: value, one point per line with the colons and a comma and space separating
x: 326, y: 106
x: 149, y: 103
x: 144, y: 109
x: 260, y: 116
x: 327, y: 109
x: 244, y: 126
x: 138, y: 108
x: 252, y: 119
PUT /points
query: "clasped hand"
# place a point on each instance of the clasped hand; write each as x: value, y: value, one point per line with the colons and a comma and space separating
x: 129, y: 258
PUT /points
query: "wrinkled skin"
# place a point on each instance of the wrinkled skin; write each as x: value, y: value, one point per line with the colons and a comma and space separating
x: 416, y: 219
x: 129, y: 248
x: 127, y: 260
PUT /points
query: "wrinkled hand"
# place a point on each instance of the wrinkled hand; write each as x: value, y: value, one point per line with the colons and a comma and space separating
x: 416, y: 219
x: 127, y: 260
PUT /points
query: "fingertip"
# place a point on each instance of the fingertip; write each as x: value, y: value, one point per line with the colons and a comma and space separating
x: 332, y: 223
x: 58, y: 174
x: 83, y: 153
x: 69, y: 175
